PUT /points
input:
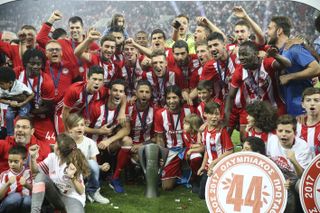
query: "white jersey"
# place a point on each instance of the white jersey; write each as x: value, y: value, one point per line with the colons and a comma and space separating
x: 277, y: 153
x: 50, y: 166
x: 18, y: 88
x: 88, y: 147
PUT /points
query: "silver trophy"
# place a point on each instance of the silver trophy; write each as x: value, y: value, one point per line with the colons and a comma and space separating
x: 149, y: 156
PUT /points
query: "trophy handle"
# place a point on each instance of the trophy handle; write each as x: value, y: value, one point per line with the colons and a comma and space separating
x: 164, y: 155
x: 142, y: 158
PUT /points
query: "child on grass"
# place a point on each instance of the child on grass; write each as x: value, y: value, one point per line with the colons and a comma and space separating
x: 217, y: 143
x: 75, y: 125
x: 194, y: 148
x: 61, y: 178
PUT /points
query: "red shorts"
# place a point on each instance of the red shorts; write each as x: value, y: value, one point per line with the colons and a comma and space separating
x: 243, y: 117
x: 173, y: 169
x: 238, y: 115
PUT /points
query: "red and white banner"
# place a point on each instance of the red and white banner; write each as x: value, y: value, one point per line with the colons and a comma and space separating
x: 310, y: 187
x: 246, y: 182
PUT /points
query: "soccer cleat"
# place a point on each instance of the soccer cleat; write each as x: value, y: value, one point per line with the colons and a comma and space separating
x: 116, y: 185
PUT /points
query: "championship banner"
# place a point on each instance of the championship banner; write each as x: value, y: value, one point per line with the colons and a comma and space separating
x: 310, y: 187
x: 246, y: 182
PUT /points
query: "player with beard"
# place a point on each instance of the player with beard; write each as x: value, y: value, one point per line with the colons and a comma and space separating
x: 27, y: 40
x: 242, y: 29
x: 76, y: 32
x: 43, y: 88
x: 103, y: 59
x: 131, y: 70
x: 62, y: 75
x: 23, y: 135
x: 304, y: 66
x: 308, y: 126
x: 118, y: 34
x: 169, y: 128
x: 109, y: 134
x: 104, y: 116
x: 188, y: 67
x: 254, y: 79
x: 141, y: 114
x: 160, y: 77
x: 219, y: 70
x: 291, y: 154
x: 180, y: 32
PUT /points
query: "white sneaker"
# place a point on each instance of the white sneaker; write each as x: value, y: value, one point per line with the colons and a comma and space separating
x: 89, y: 198
x: 99, y: 198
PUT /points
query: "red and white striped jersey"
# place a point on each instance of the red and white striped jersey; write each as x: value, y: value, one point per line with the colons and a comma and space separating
x: 189, y: 139
x: 311, y: 134
x: 200, y: 108
x: 16, y: 186
x: 100, y: 115
x: 79, y: 100
x: 265, y: 136
x: 220, y: 72
x: 132, y: 75
x: 159, y: 85
x: 111, y: 69
x: 190, y: 74
x: 256, y: 85
x: 141, y: 123
x: 216, y: 142
x: 118, y: 58
x: 171, y: 124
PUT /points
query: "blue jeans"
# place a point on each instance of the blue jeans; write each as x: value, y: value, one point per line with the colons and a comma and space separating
x: 11, y: 114
x: 93, y: 184
x: 15, y: 202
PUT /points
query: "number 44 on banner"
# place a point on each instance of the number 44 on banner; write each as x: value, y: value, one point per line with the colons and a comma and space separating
x: 246, y: 182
